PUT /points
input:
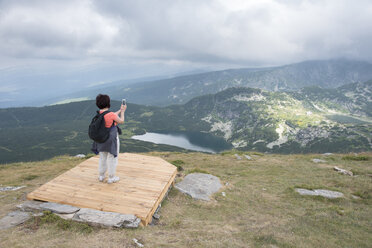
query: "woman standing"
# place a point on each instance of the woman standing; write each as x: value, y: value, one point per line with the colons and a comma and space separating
x: 109, y: 150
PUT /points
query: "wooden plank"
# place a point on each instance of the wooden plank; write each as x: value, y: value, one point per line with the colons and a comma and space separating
x: 144, y: 180
x: 159, y: 200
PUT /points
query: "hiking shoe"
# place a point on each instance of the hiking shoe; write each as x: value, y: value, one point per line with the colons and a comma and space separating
x: 101, y: 178
x: 113, y: 180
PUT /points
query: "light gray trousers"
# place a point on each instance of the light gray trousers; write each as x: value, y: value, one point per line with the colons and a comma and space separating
x: 107, y: 160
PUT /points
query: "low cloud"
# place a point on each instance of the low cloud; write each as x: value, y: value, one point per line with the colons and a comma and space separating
x: 169, y: 31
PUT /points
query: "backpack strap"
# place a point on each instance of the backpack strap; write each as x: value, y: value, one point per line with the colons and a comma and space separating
x: 104, y: 113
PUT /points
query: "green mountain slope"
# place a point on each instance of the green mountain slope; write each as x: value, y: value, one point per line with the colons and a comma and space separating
x: 310, y: 120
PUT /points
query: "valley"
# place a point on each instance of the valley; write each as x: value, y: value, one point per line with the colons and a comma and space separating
x: 311, y: 120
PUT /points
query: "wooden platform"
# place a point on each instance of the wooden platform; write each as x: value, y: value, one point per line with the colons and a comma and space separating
x: 144, y: 180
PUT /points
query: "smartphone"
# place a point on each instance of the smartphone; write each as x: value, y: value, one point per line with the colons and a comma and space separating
x: 123, y: 101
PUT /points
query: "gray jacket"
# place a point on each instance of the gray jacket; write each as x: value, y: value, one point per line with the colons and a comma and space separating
x: 110, y: 145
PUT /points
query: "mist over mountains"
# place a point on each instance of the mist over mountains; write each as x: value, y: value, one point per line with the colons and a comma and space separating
x: 163, y: 90
x: 178, y: 90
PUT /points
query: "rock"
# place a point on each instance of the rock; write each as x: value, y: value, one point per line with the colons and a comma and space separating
x: 248, y: 157
x: 316, y: 160
x: 30, y: 206
x: 356, y: 197
x: 138, y: 243
x: 80, y: 156
x: 237, y: 157
x: 223, y: 194
x: 132, y: 222
x: 327, y: 154
x: 10, y: 188
x: 108, y: 219
x: 13, y: 219
x: 321, y: 192
x: 58, y: 208
x: 66, y: 216
x: 156, y: 216
x: 199, y: 185
x: 342, y: 171
x: 305, y: 192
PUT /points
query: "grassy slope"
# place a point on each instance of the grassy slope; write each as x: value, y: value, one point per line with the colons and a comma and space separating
x: 260, y: 209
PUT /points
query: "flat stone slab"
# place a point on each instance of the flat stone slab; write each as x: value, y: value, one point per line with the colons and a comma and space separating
x: 49, y: 206
x: 321, y: 192
x: 30, y: 206
x: 316, y: 160
x: 59, y: 208
x: 199, y: 185
x: 108, y: 219
x: 10, y: 188
x: 13, y: 219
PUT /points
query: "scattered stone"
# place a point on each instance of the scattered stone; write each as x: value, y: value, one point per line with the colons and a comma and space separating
x: 10, y: 188
x: 199, y: 185
x: 80, y: 156
x: 356, y: 197
x: 316, y: 160
x: 108, y: 219
x: 264, y: 189
x: 13, y: 219
x: 342, y: 171
x: 237, y: 157
x: 223, y: 194
x: 321, y: 192
x: 59, y: 208
x: 226, y: 184
x: 138, y: 243
x: 327, y: 154
x: 248, y: 157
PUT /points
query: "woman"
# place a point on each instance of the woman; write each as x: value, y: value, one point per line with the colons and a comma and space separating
x: 109, y: 150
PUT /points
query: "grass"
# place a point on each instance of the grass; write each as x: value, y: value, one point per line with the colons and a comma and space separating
x: 49, y: 218
x: 355, y: 157
x: 178, y: 163
x: 260, y: 209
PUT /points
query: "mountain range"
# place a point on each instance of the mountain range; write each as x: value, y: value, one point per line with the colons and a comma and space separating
x: 311, y: 119
x: 292, y: 77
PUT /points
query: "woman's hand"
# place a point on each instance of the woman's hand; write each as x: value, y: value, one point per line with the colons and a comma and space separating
x: 123, y: 108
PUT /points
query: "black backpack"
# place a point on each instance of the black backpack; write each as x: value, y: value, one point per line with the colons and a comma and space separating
x: 97, y: 129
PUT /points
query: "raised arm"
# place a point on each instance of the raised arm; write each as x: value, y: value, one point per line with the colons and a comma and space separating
x: 120, y: 119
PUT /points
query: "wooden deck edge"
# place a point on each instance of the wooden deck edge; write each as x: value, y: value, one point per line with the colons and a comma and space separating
x: 160, y: 199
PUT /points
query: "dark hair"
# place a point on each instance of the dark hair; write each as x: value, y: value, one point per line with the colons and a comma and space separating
x: 103, y: 101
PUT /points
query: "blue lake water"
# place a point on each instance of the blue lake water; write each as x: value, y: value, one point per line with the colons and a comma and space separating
x: 189, y: 140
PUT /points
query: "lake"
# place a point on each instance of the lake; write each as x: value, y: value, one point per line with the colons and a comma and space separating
x: 196, y: 141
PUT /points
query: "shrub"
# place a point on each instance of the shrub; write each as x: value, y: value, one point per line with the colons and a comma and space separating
x: 355, y: 158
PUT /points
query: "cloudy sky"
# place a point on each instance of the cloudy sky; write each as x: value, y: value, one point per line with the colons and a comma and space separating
x: 59, y: 45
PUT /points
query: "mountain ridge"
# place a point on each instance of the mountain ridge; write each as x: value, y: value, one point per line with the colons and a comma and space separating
x: 292, y: 77
x: 310, y: 120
